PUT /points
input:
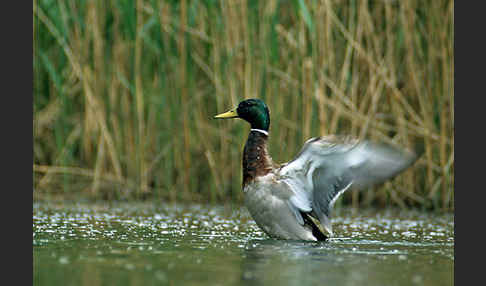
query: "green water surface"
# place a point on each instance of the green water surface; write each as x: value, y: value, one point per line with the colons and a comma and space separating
x: 156, y: 244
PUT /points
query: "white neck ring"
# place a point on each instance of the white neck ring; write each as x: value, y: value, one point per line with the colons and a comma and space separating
x: 260, y: 130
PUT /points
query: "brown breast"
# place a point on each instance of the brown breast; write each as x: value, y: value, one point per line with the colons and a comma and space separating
x: 256, y: 161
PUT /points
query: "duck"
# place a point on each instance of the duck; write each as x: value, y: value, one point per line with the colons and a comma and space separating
x: 294, y: 200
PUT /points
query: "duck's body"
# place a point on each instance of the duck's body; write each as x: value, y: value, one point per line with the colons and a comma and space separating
x: 294, y: 200
x: 267, y: 193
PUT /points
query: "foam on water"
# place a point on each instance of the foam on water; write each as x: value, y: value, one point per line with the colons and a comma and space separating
x: 188, y: 242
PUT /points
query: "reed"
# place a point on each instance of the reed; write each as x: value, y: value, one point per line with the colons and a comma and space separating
x: 125, y: 91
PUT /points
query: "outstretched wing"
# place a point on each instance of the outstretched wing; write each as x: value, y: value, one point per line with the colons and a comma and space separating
x: 326, y: 167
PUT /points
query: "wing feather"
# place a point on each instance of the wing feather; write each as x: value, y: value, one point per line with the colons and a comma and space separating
x: 326, y: 167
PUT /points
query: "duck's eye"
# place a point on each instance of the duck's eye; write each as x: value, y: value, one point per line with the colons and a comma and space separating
x: 246, y: 104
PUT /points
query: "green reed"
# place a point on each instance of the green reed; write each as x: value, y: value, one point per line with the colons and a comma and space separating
x: 125, y: 91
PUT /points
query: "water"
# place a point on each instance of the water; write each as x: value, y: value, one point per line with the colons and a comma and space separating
x: 149, y: 244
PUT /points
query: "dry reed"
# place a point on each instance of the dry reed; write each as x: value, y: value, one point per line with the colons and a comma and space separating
x: 124, y: 93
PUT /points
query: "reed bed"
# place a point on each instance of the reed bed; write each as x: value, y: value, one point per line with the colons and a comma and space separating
x: 125, y: 92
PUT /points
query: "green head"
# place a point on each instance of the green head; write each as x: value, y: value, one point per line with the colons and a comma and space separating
x: 254, y: 111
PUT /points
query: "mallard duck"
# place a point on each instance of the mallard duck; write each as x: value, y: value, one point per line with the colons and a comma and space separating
x: 294, y: 200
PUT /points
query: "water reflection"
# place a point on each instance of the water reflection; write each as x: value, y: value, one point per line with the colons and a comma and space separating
x: 273, y: 262
x: 149, y: 244
x: 276, y: 261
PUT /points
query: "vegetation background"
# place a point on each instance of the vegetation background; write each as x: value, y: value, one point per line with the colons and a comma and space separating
x: 125, y: 92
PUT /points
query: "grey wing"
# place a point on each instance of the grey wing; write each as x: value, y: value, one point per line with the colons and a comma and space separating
x: 327, y: 167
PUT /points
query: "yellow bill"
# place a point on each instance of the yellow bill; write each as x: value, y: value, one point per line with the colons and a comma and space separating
x: 229, y: 114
